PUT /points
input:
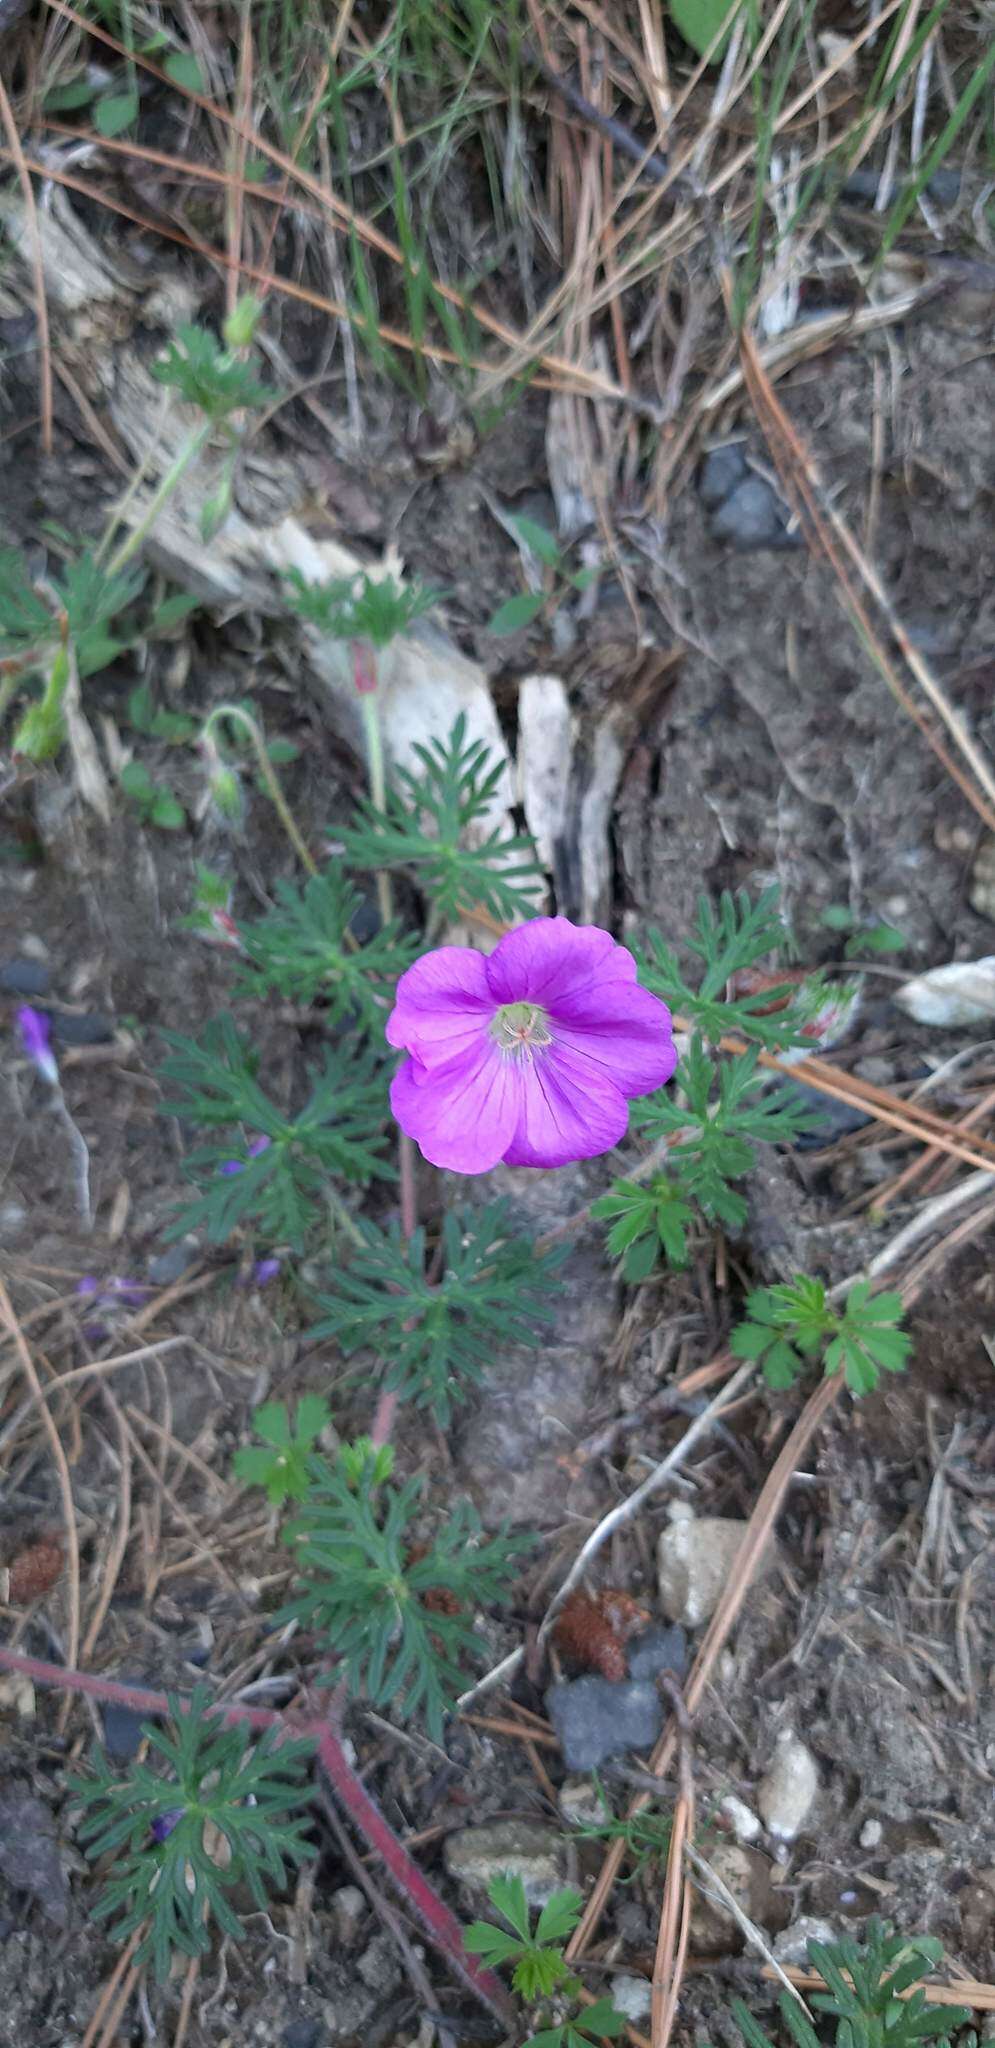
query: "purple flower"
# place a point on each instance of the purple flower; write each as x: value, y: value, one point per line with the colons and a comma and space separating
x: 36, y: 1030
x: 253, y: 1148
x: 528, y: 1055
x: 265, y: 1270
x: 164, y: 1823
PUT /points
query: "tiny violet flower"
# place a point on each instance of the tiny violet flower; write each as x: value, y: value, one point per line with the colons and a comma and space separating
x: 164, y: 1823
x: 36, y: 1030
x: 529, y: 1055
x: 254, y: 1147
x: 265, y: 1270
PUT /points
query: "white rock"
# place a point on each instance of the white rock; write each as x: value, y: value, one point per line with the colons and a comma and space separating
x: 545, y: 744
x: 745, y: 1825
x: 694, y: 1559
x: 516, y: 1848
x: 788, y: 1790
x: 348, y: 1911
x: 632, y: 1996
x: 963, y: 992
x: 791, y: 1946
x: 871, y: 1833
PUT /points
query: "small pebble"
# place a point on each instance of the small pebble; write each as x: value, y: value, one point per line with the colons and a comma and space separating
x: 81, y: 1027
x: 791, y: 1945
x: 579, y: 1804
x: 122, y: 1726
x: 348, y: 1912
x: 632, y: 1997
x: 714, y: 1930
x: 721, y: 471
x: 25, y: 978
x: 658, y: 1649
x: 753, y: 517
x: 871, y: 1833
x: 523, y: 1848
x: 595, y: 1719
x: 745, y: 1825
x: 787, y: 1792
x: 304, y: 2034
x: 694, y: 1559
x: 981, y: 894
x: 165, y: 1267
x: 837, y: 1119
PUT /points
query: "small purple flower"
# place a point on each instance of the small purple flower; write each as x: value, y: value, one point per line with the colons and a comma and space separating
x: 530, y: 1054
x: 253, y: 1148
x: 164, y: 1823
x: 36, y: 1030
x: 87, y: 1285
x: 266, y: 1270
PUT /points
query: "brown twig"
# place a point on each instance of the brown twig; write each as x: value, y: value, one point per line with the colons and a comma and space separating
x: 38, y: 265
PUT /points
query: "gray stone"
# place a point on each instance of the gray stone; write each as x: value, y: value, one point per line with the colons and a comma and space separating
x: 122, y: 1726
x: 166, y: 1267
x: 791, y: 1945
x: 379, y: 1965
x: 595, y: 1719
x: 658, y: 1649
x: 836, y: 1119
x: 25, y: 978
x: 722, y: 469
x: 81, y: 1027
x: 579, y: 1803
x: 304, y: 2034
x: 522, y: 1848
x: 753, y: 516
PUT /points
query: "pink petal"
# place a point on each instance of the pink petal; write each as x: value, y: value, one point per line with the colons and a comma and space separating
x: 463, y: 1115
x: 623, y: 1030
x: 442, y: 1006
x: 571, y: 1109
x: 549, y: 957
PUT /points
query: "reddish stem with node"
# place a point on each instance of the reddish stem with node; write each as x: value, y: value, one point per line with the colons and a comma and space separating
x: 441, y: 1926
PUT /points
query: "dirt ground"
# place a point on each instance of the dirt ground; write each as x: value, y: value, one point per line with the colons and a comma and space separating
x: 774, y: 752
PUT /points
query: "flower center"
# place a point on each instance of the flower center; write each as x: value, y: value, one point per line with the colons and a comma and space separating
x: 521, y: 1028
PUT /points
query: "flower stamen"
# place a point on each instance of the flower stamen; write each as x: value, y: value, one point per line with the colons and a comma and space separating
x: 521, y: 1028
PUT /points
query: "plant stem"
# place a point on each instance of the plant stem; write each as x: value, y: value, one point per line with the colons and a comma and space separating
x: 270, y: 779
x: 186, y: 454
x: 370, y: 706
x: 440, y: 1924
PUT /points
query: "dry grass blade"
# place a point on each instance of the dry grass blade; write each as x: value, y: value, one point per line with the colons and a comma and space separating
x: 41, y: 303
x: 592, y: 381
x: 963, y: 1990
x: 62, y: 1472
x: 825, y: 526
x: 758, y: 1530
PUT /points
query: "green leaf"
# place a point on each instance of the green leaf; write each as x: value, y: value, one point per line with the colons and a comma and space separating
x: 700, y: 20
x: 167, y: 812
x: 184, y: 70
x: 877, y: 938
x: 537, y: 539
x: 282, y: 751
x: 64, y: 99
x: 516, y: 612
x: 115, y: 112
x: 559, y: 1916
x: 272, y: 1423
x: 601, y: 2019
x: 172, y: 611
x: 507, y: 1896
x: 136, y: 782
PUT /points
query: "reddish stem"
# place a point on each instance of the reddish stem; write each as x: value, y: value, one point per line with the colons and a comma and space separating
x: 439, y: 1923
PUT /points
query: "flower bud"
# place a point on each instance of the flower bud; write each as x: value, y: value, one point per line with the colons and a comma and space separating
x: 240, y: 327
